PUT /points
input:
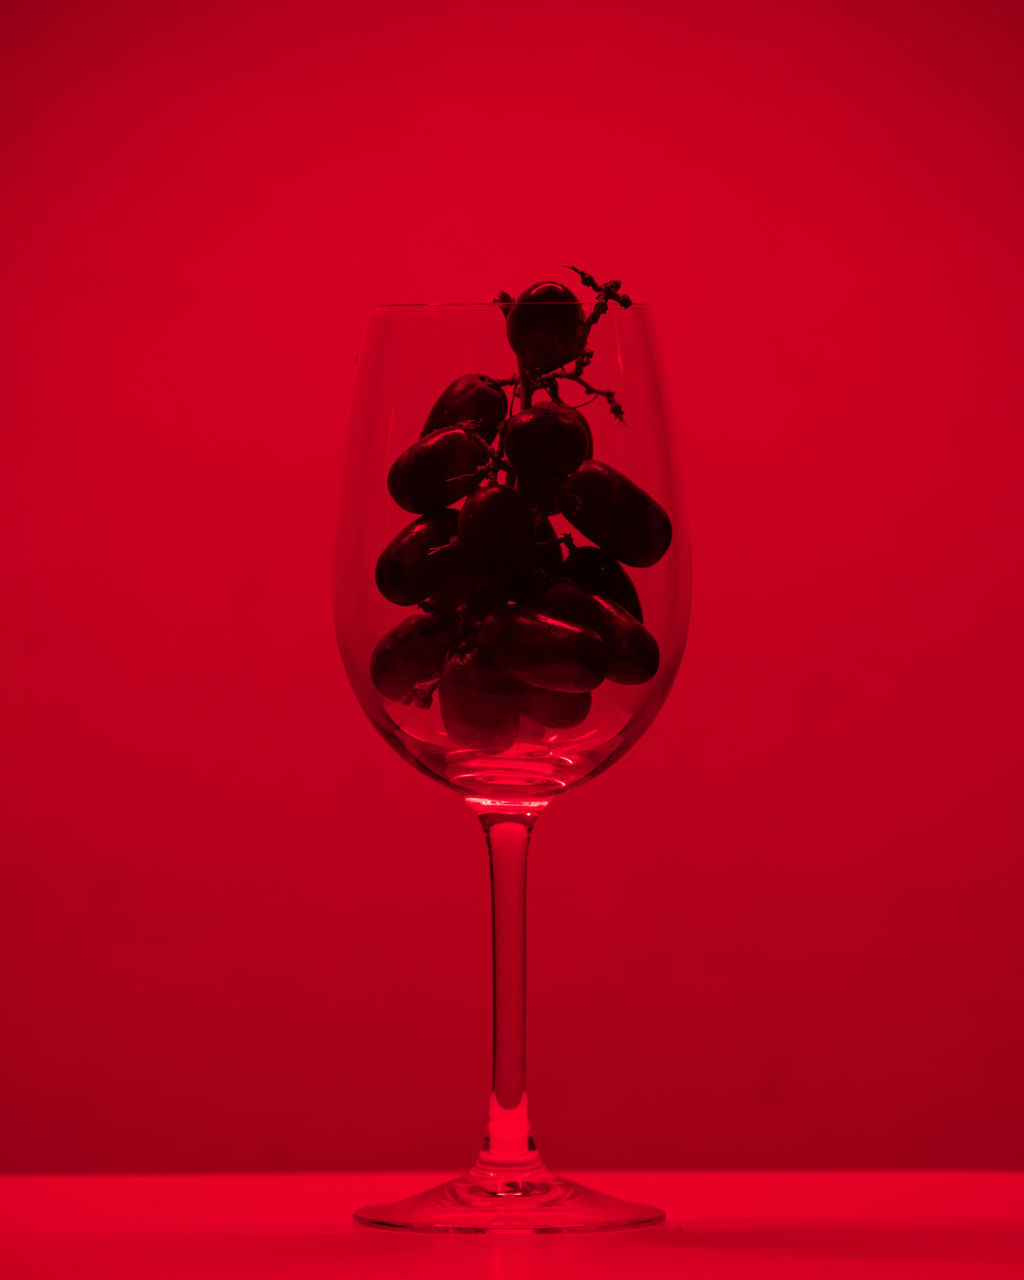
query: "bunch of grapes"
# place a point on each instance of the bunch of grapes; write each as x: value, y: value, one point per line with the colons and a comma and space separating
x: 516, y: 626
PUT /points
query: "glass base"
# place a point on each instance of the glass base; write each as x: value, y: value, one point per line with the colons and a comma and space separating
x: 535, y: 1201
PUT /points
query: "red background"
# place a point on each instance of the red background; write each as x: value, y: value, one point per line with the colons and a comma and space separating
x: 235, y: 932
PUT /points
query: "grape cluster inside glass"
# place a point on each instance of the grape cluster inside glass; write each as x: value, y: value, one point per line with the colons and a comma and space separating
x: 521, y: 661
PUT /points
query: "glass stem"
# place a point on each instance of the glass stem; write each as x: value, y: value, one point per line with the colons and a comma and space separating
x: 508, y: 1145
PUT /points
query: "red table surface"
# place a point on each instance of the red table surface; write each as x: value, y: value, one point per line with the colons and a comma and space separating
x: 718, y: 1225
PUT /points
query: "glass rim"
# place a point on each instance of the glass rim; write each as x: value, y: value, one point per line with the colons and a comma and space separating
x: 484, y: 306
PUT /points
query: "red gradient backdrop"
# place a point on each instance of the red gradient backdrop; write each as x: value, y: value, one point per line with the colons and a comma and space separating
x: 235, y: 931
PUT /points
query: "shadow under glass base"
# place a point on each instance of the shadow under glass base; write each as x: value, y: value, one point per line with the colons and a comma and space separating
x: 533, y: 1200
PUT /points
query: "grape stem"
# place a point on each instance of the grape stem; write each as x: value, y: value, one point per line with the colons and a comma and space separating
x: 477, y: 471
x: 614, y: 407
x: 422, y: 693
x: 606, y: 293
x: 551, y: 387
x: 525, y: 388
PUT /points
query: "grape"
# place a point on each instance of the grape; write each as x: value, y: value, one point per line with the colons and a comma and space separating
x: 602, y: 575
x: 545, y: 491
x: 420, y: 559
x: 531, y: 730
x: 473, y: 396
x: 615, y: 513
x: 556, y: 710
x: 444, y: 603
x: 545, y: 326
x: 496, y: 533
x: 408, y: 657
x: 632, y: 650
x: 549, y: 548
x: 542, y: 492
x: 438, y: 469
x: 547, y: 439
x: 479, y: 705
x: 544, y: 651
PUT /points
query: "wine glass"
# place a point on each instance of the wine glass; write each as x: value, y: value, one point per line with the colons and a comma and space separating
x: 491, y: 624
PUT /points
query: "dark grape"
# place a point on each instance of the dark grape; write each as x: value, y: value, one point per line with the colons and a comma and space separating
x: 549, y: 548
x: 602, y: 575
x: 544, y: 651
x: 556, y: 710
x: 545, y: 326
x: 542, y: 492
x: 632, y: 651
x: 530, y: 730
x: 479, y: 705
x: 444, y: 603
x: 547, y: 439
x: 438, y: 469
x: 408, y: 658
x: 421, y: 559
x: 615, y: 513
x: 496, y: 537
x: 473, y: 396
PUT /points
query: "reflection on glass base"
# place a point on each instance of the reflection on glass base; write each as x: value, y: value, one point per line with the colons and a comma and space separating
x: 538, y: 1201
